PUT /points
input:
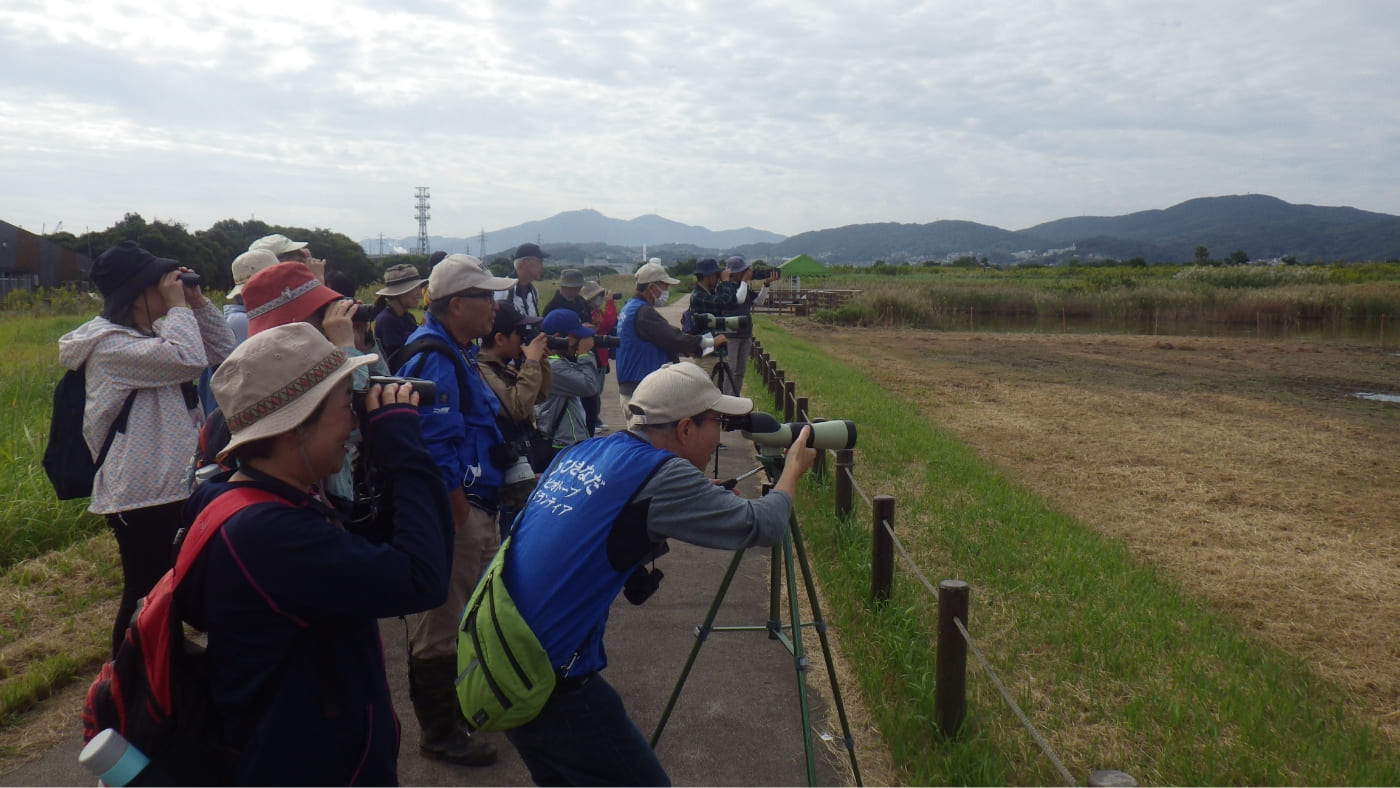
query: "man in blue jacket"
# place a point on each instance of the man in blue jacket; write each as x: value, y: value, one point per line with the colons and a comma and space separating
x: 605, y: 507
x: 645, y: 339
x: 460, y: 431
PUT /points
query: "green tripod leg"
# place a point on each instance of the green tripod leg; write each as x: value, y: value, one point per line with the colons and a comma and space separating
x: 701, y: 633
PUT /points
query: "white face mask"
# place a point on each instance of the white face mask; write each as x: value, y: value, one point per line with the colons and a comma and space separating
x: 662, y: 295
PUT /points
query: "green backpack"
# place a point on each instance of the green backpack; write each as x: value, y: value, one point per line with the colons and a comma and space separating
x: 504, y: 676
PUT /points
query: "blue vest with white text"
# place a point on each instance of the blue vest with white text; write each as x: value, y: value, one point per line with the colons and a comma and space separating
x: 557, y: 568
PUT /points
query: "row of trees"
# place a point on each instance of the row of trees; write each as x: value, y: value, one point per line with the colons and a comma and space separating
x: 210, y: 252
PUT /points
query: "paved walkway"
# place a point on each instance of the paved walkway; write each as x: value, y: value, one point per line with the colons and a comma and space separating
x: 737, y: 721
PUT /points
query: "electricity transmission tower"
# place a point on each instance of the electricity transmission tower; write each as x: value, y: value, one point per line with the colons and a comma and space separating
x: 421, y: 193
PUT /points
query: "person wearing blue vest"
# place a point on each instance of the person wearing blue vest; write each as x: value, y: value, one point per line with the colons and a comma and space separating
x: 606, y: 506
x: 460, y: 431
x: 645, y: 339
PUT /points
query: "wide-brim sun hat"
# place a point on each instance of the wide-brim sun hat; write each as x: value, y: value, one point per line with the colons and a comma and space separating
x: 400, y: 279
x: 273, y: 381
x: 591, y: 290
x: 284, y: 293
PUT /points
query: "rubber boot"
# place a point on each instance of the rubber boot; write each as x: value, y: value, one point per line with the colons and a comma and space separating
x: 444, y: 735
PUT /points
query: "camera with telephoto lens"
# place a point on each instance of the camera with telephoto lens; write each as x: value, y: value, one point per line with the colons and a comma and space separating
x: 605, y: 341
x: 189, y: 279
x: 426, y: 389
x: 704, y: 321
x: 761, y: 271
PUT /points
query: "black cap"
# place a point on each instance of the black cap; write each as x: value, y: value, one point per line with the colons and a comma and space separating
x: 508, y: 318
x: 123, y: 271
x: 530, y: 250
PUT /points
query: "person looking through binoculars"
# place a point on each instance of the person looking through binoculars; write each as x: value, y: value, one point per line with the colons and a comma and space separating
x: 515, y: 369
x: 605, y: 507
x: 562, y: 417
x: 646, y: 340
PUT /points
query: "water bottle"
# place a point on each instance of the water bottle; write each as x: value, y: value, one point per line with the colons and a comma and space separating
x: 114, y: 760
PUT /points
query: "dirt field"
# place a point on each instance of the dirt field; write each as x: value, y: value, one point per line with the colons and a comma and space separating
x: 1247, y: 469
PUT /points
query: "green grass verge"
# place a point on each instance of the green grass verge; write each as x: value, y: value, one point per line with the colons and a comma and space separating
x: 32, y: 520
x: 1115, y: 664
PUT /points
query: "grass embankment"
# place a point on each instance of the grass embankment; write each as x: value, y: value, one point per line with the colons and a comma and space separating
x: 1116, y: 665
x: 1172, y: 297
x: 58, y: 572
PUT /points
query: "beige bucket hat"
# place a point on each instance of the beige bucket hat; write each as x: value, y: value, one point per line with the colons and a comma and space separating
x: 274, y: 380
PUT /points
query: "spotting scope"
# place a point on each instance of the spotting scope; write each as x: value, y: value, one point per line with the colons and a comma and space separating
x: 763, y: 429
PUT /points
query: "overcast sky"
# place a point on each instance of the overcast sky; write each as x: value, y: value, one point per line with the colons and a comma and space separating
x: 785, y: 116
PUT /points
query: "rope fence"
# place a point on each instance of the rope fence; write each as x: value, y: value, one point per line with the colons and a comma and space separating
x: 954, y: 640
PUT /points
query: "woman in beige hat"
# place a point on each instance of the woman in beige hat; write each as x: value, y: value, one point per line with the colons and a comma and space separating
x: 392, y: 321
x: 288, y: 597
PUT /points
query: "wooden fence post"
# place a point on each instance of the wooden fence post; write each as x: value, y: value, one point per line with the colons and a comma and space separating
x: 881, y: 547
x: 799, y: 410
x: 789, y: 400
x: 950, y: 666
x: 845, y: 462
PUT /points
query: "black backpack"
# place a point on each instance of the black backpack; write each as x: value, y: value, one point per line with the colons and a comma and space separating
x: 67, y: 461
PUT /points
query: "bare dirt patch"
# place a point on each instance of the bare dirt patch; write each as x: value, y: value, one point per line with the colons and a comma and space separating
x: 1247, y: 469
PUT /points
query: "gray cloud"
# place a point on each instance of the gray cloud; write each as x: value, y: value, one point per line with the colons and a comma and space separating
x: 787, y: 116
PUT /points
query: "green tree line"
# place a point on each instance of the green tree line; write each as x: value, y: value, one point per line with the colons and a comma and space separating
x: 210, y: 252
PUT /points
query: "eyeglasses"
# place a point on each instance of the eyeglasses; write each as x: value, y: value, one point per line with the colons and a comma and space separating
x: 708, y: 415
x: 475, y: 294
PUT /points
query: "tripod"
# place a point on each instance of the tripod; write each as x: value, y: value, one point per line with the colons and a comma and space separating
x: 789, y: 635
x: 723, y: 375
x: 723, y: 378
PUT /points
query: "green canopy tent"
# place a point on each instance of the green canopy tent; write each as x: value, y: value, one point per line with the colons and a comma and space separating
x: 802, y: 266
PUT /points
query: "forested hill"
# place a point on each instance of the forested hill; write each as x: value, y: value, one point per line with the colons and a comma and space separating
x: 1262, y: 227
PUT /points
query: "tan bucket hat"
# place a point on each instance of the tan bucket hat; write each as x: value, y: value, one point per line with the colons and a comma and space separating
x: 399, y: 279
x: 274, y: 380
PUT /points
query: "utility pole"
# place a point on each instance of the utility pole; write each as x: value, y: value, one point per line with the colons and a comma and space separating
x: 421, y: 193
x: 381, y: 244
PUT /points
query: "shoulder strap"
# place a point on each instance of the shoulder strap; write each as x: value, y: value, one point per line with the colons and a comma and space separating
x: 118, y: 425
x: 212, y: 518
x: 431, y: 344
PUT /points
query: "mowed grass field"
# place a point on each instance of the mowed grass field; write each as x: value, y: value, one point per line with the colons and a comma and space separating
x: 1180, y: 550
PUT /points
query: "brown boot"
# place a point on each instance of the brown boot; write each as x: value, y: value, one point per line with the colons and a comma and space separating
x: 444, y: 736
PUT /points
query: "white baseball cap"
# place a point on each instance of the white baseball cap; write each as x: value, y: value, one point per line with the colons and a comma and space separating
x: 680, y: 391
x: 247, y: 264
x: 653, y: 272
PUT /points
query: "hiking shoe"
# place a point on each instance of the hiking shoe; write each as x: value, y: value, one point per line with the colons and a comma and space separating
x: 461, y: 749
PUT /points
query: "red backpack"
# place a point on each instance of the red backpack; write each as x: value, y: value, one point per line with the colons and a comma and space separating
x: 155, y: 692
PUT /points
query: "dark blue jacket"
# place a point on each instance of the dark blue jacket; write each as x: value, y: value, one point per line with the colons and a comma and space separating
x: 290, y: 601
x: 460, y: 428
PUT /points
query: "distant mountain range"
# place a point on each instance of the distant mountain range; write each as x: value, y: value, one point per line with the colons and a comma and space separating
x: 1261, y: 226
x: 591, y: 229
